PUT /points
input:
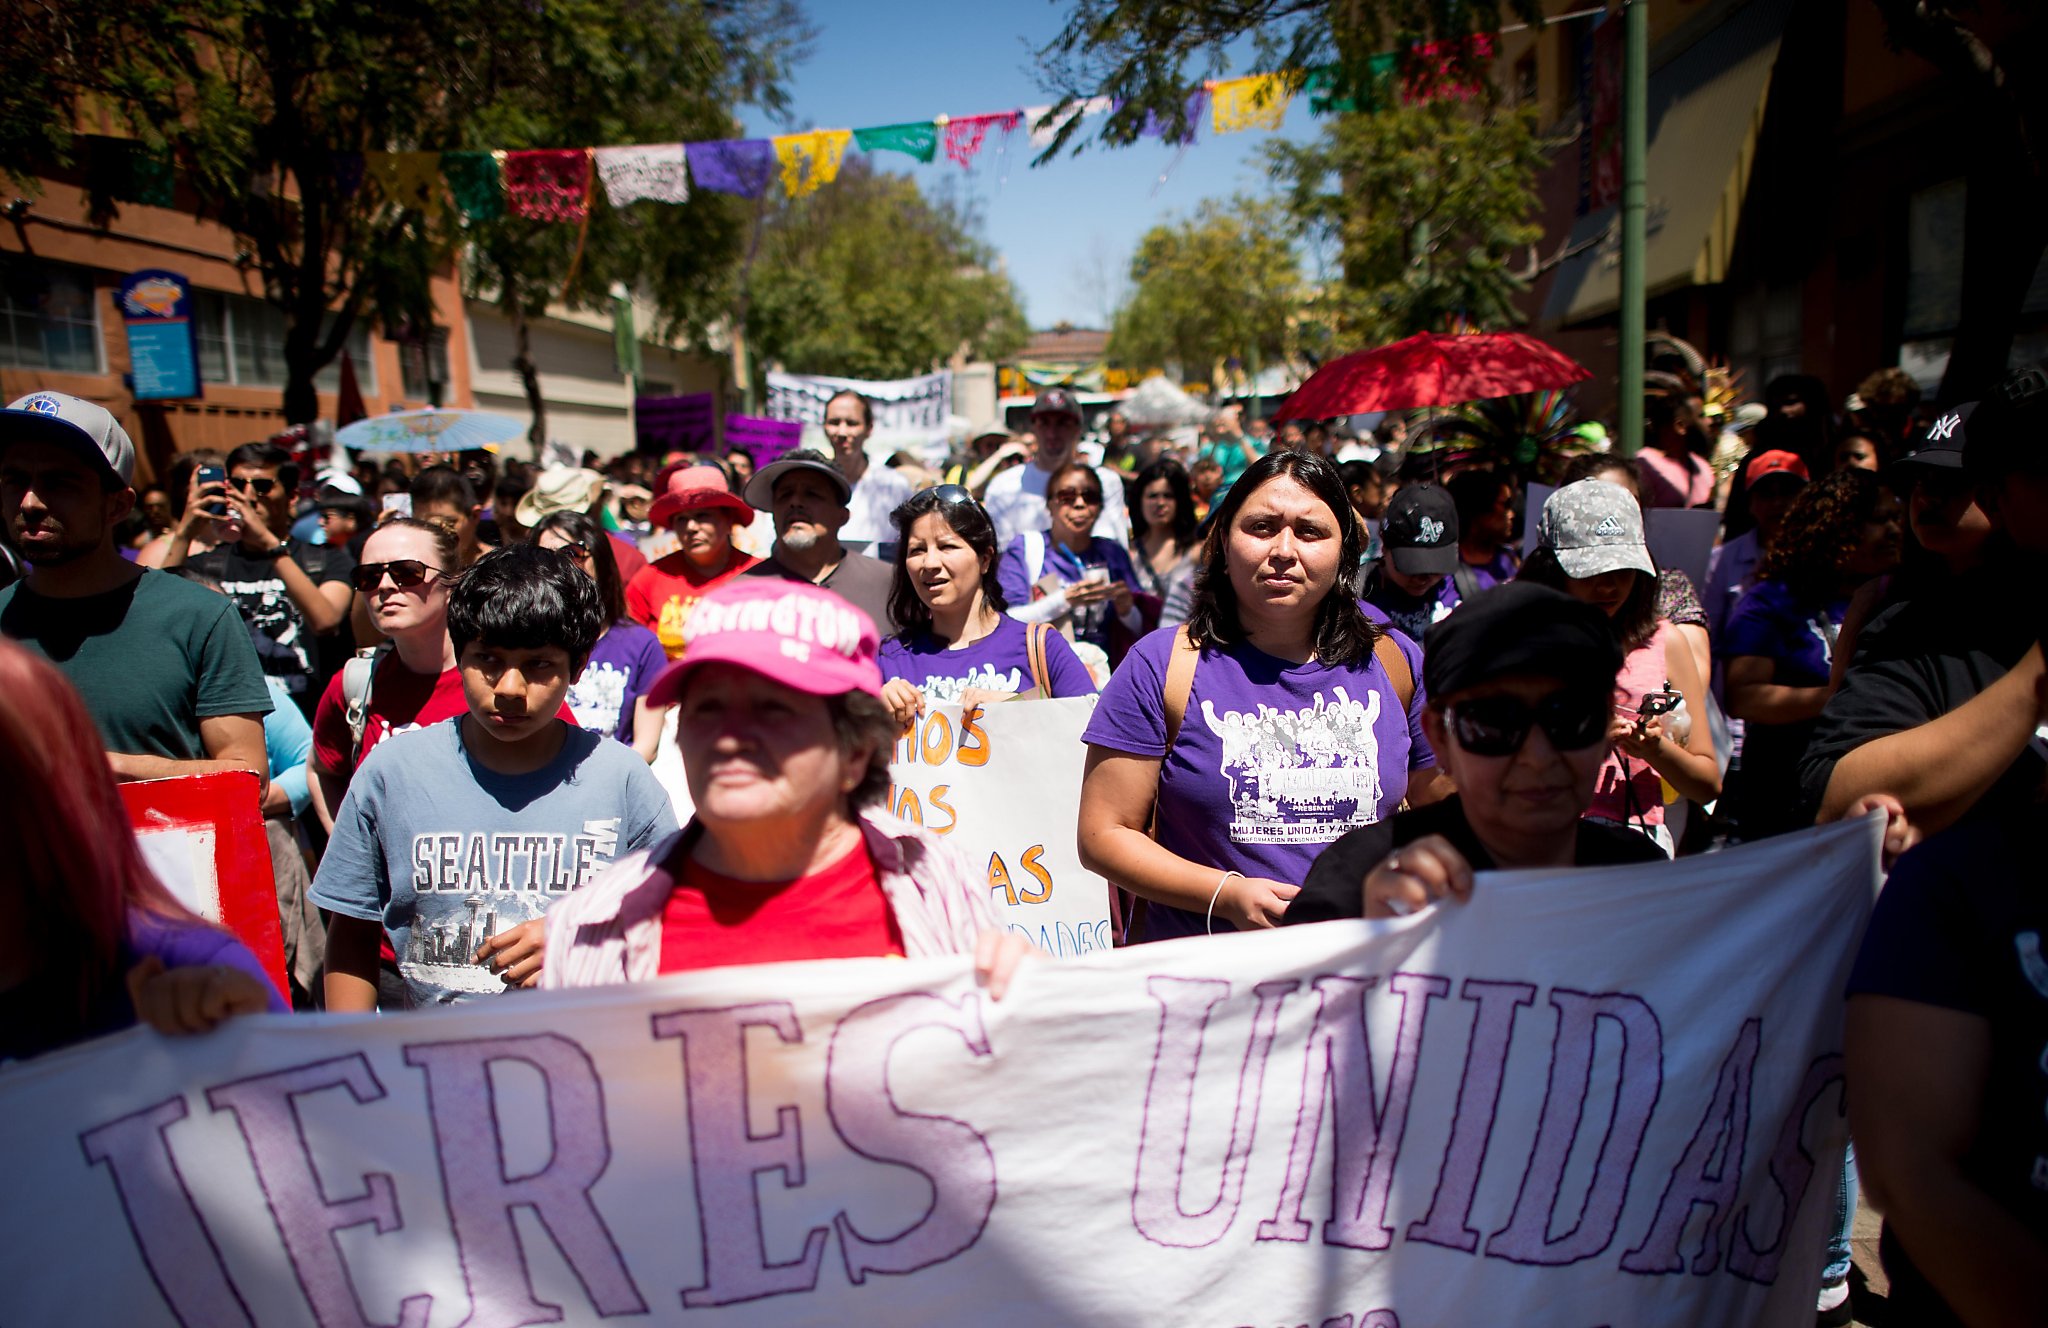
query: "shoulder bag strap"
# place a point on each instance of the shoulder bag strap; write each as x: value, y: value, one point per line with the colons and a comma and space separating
x: 1396, y: 664
x: 1034, y: 654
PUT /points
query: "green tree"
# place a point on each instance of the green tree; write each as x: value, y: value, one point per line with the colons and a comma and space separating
x: 1150, y: 54
x: 259, y: 101
x: 1421, y: 209
x: 869, y: 278
x: 1222, y: 284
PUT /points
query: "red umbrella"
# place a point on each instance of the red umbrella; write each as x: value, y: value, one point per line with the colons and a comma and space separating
x: 1431, y: 369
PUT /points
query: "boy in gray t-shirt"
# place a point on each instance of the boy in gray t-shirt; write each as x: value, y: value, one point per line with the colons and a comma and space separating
x: 455, y: 839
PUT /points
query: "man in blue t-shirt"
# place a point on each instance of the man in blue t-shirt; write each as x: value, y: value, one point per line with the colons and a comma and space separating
x: 454, y: 839
x: 165, y: 667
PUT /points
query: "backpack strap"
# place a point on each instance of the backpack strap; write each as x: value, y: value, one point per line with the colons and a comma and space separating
x: 1034, y: 655
x: 1398, y: 673
x: 358, y: 677
x: 1129, y: 921
x: 1180, y: 683
x: 1463, y: 578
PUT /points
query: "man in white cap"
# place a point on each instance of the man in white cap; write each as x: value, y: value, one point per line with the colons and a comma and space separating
x: 1016, y: 498
x: 166, y: 667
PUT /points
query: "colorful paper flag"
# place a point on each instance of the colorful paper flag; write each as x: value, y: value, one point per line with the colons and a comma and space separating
x: 407, y: 179
x: 1041, y: 138
x: 810, y: 159
x: 130, y: 172
x: 732, y: 166
x: 965, y: 134
x: 658, y: 172
x: 1257, y: 101
x: 549, y: 184
x: 475, y: 182
x: 348, y: 172
x: 920, y: 140
x: 1159, y: 126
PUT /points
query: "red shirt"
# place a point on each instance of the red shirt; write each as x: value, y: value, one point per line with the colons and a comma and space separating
x: 661, y: 597
x: 714, y: 921
x: 629, y: 558
x: 400, y: 701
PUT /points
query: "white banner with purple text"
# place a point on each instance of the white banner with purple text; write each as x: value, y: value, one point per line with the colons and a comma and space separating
x: 1589, y: 1098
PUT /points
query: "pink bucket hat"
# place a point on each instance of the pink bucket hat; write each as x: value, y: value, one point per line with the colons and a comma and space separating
x: 692, y: 487
x: 800, y: 635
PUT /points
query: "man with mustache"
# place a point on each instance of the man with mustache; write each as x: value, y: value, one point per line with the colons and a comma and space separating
x: 808, y: 498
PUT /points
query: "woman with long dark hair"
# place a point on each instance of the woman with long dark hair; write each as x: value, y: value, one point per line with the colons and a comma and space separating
x: 957, y: 643
x: 93, y: 941
x: 1276, y: 720
x: 1780, y: 642
x: 1590, y: 545
x: 1163, y: 537
x: 610, y: 695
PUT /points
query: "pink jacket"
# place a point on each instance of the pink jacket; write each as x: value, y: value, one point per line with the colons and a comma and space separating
x: 610, y: 930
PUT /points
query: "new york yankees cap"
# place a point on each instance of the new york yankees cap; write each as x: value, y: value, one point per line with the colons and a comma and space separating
x: 1942, y: 445
x: 1419, y: 531
x: 1594, y: 527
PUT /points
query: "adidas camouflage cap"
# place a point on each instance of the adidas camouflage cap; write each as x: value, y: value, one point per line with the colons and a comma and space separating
x: 1594, y: 527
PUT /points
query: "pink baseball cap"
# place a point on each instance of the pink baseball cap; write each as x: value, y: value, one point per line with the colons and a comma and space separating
x: 800, y: 635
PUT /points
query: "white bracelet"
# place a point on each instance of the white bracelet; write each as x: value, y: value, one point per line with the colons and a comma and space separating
x: 1209, y: 917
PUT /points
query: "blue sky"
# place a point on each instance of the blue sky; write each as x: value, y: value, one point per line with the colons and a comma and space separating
x: 1061, y: 227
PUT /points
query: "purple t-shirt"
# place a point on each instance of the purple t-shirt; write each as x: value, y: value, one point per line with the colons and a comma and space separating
x: 1273, y: 762
x: 1495, y: 571
x: 26, y: 1026
x: 1799, y: 638
x: 998, y: 662
x: 621, y: 669
x: 1091, y: 622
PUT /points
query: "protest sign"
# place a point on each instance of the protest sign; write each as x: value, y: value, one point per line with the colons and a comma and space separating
x: 1598, y: 1097
x: 203, y: 836
x: 1005, y: 789
x: 910, y: 413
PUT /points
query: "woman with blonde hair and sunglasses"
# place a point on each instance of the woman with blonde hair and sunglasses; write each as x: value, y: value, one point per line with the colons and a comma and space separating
x: 957, y: 643
x: 403, y: 581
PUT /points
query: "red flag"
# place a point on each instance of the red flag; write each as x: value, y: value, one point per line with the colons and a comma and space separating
x: 348, y: 401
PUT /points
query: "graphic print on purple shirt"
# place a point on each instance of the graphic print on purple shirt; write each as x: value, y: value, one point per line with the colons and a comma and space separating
x: 1798, y: 638
x: 998, y: 662
x: 621, y: 668
x: 1273, y: 762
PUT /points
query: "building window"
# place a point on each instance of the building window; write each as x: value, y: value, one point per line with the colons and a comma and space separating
x: 423, y: 366
x: 49, y: 318
x: 1764, y: 334
x: 241, y: 343
x: 1934, y: 259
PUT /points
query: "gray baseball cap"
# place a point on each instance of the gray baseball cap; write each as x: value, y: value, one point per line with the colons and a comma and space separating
x: 81, y: 427
x: 1594, y: 527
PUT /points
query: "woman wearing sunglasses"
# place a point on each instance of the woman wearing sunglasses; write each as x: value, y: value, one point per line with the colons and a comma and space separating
x: 610, y: 695
x: 1282, y: 718
x: 1069, y: 576
x: 957, y: 644
x: 1520, y: 682
x: 1590, y: 546
x: 403, y: 579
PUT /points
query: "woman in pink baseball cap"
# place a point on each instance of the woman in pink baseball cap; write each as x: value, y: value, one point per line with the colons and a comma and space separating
x: 791, y: 853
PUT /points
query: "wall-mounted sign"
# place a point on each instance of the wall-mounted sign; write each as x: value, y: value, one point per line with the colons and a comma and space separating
x: 163, y: 340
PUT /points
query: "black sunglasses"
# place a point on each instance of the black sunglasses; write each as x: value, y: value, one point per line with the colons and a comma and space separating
x: 256, y: 484
x: 405, y: 573
x: 1499, y: 725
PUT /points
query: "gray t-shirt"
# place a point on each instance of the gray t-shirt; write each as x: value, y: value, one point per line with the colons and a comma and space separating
x: 445, y: 853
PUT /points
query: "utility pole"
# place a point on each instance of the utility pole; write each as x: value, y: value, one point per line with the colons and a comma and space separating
x: 1635, y: 107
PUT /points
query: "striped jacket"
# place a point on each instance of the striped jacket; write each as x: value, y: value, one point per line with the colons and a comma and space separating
x: 610, y: 930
